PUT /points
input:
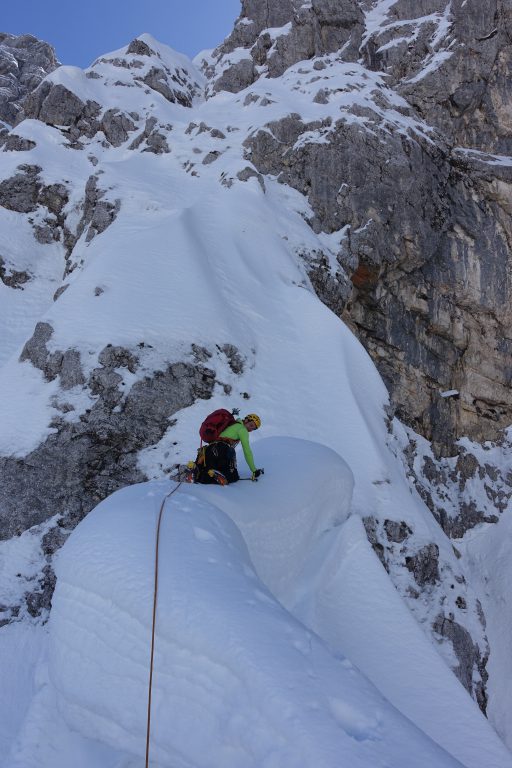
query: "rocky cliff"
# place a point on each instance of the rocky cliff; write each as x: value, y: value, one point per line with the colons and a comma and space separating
x: 24, y: 62
x: 426, y: 219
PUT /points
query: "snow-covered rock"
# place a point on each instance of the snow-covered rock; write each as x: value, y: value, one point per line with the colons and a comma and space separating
x: 24, y: 62
x: 164, y: 244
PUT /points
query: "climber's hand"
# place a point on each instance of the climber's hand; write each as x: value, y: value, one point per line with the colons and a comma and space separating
x: 257, y: 473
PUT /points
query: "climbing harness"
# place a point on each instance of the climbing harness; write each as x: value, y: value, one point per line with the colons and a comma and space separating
x: 155, y: 595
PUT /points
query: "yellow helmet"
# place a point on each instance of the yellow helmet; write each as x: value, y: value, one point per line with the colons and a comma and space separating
x: 254, y: 418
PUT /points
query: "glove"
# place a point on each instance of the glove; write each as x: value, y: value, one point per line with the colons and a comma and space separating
x: 257, y: 473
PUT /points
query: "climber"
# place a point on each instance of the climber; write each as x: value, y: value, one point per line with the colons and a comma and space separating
x: 216, y: 462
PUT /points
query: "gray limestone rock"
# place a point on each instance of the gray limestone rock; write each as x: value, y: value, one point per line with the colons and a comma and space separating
x: 236, y: 360
x: 20, y: 192
x: 160, y: 80
x: 211, y: 157
x: 140, y: 48
x: 397, y: 531
x: 15, y: 143
x: 12, y: 278
x: 424, y: 565
x: 24, y: 62
x: 116, y: 126
x: 41, y: 598
x: 176, y: 84
x: 54, y: 197
x: 25, y: 193
x: 154, y: 140
x: 308, y: 30
x: 371, y: 528
x: 54, y: 539
x: 469, y: 656
x: 427, y: 255
x: 237, y: 77
x: 35, y: 348
x: 440, y: 598
x: 459, y: 491
x: 86, y: 460
x: 459, y: 79
x: 70, y: 371
x: 332, y: 288
x: 98, y: 213
x: 156, y: 143
x: 66, y: 364
x: 56, y: 105
x: 249, y: 173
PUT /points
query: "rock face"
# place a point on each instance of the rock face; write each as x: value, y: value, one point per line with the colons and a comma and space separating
x: 24, y: 62
x: 464, y: 490
x: 453, y: 612
x: 279, y: 34
x: 469, y: 99
x: 86, y: 460
x: 426, y: 217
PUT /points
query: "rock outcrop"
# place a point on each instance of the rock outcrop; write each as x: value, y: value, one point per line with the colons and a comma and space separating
x: 88, y: 458
x: 275, y: 35
x: 437, y: 593
x: 24, y: 62
x: 452, y: 61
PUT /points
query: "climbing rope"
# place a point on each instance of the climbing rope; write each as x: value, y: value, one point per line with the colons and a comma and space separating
x: 155, y: 597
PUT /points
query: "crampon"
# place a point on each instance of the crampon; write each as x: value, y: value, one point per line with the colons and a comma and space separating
x: 218, y: 477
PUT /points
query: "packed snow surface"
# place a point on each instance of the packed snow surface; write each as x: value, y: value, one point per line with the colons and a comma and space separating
x: 238, y: 680
x: 241, y: 678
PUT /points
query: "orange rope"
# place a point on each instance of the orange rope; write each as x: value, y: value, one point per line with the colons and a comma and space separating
x: 155, y: 596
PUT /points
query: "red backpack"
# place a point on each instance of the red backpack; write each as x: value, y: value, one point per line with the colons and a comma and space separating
x: 214, y: 424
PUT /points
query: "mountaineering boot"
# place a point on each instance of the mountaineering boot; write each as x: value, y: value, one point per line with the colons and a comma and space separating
x: 217, y: 476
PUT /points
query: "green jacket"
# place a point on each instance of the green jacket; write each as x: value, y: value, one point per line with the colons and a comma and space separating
x: 239, y: 433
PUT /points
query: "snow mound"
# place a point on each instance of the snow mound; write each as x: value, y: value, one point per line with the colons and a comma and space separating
x: 317, y: 560
x: 305, y: 494
x: 238, y: 681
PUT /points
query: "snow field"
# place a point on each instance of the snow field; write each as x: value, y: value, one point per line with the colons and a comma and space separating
x: 238, y: 681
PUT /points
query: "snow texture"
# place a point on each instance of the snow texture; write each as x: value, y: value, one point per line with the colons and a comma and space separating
x: 261, y: 587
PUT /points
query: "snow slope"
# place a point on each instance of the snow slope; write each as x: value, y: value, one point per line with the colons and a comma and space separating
x: 239, y: 679
x: 17, y: 642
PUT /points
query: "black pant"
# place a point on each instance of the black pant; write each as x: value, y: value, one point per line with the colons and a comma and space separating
x: 219, y: 456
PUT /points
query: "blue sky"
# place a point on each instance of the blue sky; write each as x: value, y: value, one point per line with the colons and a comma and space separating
x: 82, y: 31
